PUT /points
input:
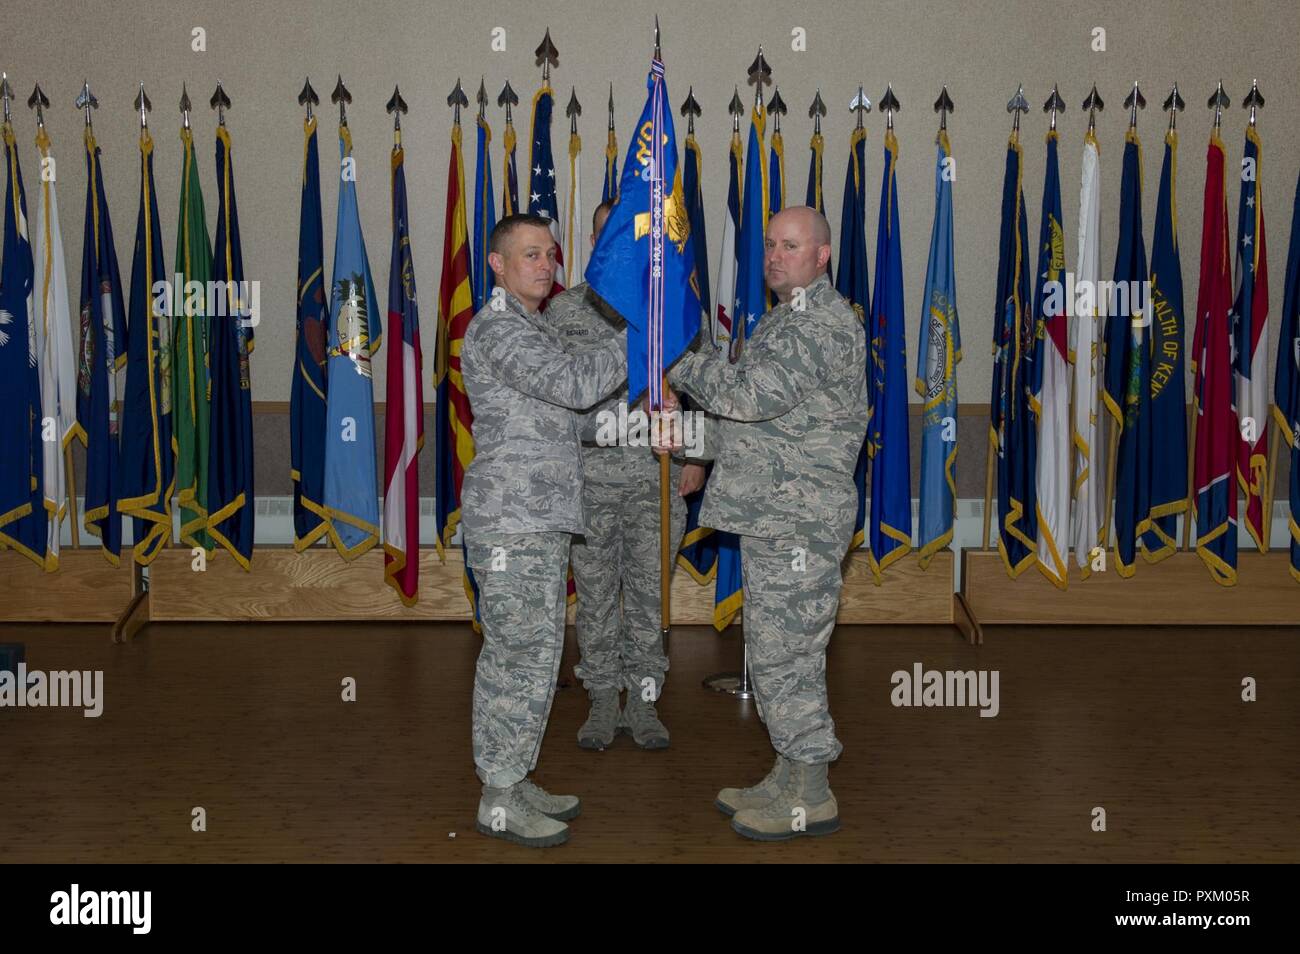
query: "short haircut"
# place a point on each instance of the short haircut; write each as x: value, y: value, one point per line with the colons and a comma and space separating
x: 605, y: 206
x: 511, y: 222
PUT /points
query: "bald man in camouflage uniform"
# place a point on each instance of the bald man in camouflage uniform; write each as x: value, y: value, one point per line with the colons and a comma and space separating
x: 792, y: 417
x: 622, y: 647
x: 521, y: 504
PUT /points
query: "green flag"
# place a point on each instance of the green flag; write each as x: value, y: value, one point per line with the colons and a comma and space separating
x: 190, y: 358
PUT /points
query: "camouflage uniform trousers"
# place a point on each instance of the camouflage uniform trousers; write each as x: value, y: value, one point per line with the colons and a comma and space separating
x: 789, y: 615
x: 620, y: 554
x: 521, y: 579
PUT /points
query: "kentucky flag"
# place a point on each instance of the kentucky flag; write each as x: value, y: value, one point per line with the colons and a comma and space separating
x: 854, y: 285
x: 355, y: 330
x: 230, y: 464
x: 1286, y: 385
x: 887, y: 437
x: 485, y: 216
x: 310, y: 389
x: 543, y: 199
x: 1012, y: 435
x: 23, y: 516
x: 148, y: 468
x: 1215, y: 500
x: 698, y: 552
x: 1167, y: 492
x: 191, y: 332
x: 101, y: 355
x: 936, y: 372
x: 1248, y: 323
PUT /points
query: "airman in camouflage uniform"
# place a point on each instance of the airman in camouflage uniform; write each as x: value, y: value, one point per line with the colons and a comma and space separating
x: 520, y: 507
x: 620, y: 648
x: 792, y: 416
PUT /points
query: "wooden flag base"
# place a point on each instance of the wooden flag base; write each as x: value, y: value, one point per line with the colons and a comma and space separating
x: 85, y: 589
x: 1177, y: 591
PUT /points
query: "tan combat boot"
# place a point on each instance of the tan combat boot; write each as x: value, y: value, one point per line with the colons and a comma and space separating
x: 732, y: 800
x: 603, y: 721
x: 507, y: 814
x: 805, y: 806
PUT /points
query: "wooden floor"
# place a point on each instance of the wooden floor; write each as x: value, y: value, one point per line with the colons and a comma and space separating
x: 247, y: 721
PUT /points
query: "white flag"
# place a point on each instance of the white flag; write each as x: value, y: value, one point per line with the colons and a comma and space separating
x: 1089, y: 485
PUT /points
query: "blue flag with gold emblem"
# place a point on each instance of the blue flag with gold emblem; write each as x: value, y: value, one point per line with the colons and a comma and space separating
x: 101, y: 355
x: 230, y: 461
x: 22, y: 497
x: 148, y: 466
x: 1167, y: 433
x: 854, y: 284
x: 1286, y: 384
x: 351, y: 486
x: 887, y: 437
x: 936, y: 372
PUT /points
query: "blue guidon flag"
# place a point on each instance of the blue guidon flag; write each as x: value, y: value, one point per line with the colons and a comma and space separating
x: 643, y: 264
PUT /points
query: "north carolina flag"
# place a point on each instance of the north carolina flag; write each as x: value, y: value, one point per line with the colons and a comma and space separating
x: 1248, y: 322
x: 887, y: 437
x: 101, y: 356
x: 1167, y: 494
x: 1286, y: 385
x: 1050, y: 388
x: 55, y: 353
x: 1215, y: 503
x: 454, y: 419
x: 23, y: 519
x: 1085, y: 355
x: 351, y: 495
x: 936, y: 372
x: 485, y: 217
x: 230, y: 464
x: 1012, y: 434
x: 148, y: 467
x: 404, y: 408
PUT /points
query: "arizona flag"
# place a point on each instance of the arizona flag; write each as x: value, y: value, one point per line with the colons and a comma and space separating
x: 1051, y: 386
x: 453, y: 417
x: 230, y: 464
x: 148, y: 468
x: 936, y: 371
x: 1012, y: 435
x: 23, y: 524
x: 1215, y: 503
x: 351, y: 496
x: 404, y: 413
x: 54, y: 351
x: 1248, y: 322
x: 1286, y: 386
x: 887, y: 438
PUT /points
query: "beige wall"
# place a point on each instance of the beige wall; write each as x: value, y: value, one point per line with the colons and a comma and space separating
x: 261, y: 52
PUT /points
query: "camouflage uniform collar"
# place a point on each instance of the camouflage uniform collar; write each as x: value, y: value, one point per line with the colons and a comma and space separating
x: 813, y: 291
x: 516, y: 305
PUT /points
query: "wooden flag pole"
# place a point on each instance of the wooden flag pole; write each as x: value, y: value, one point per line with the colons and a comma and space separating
x: 665, y: 543
x: 72, y: 493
